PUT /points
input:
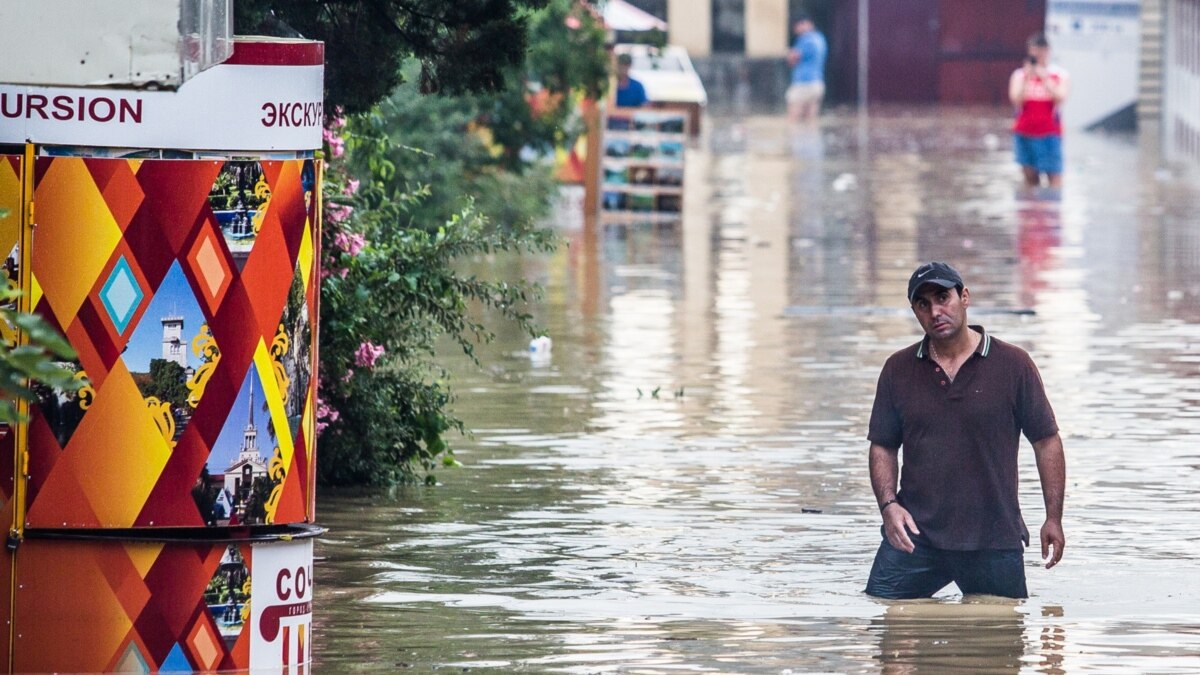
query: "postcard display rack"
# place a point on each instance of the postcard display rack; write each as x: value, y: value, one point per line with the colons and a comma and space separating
x: 161, y: 518
x: 643, y: 165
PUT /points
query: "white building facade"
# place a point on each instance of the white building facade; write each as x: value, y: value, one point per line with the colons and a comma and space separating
x: 1181, y: 82
x: 173, y: 347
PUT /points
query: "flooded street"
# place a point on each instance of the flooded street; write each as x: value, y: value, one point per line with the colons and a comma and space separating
x: 683, y: 486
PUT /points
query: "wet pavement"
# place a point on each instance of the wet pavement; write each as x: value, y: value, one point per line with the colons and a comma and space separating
x: 682, y: 486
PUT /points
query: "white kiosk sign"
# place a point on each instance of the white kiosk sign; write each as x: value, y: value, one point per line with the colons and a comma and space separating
x: 256, y: 101
x: 281, y: 607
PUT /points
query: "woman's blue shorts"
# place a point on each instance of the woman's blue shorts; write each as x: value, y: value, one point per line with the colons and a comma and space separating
x: 1043, y: 153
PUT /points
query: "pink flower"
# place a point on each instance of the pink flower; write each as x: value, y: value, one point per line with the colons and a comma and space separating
x: 351, y: 243
x: 367, y: 355
x: 337, y: 145
x: 326, y: 414
x: 351, y: 187
x: 348, y: 376
x: 337, y: 213
x: 335, y: 118
x: 573, y: 22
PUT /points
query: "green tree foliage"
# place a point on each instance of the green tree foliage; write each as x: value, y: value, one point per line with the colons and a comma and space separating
x: 167, y: 383
x: 566, y: 56
x: 384, y: 306
x: 488, y: 145
x: 205, y: 497
x: 412, y: 140
x: 35, y: 370
x: 256, y: 500
x: 462, y: 45
x: 444, y: 179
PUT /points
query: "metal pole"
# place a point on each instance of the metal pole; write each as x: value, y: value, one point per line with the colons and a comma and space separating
x: 864, y: 52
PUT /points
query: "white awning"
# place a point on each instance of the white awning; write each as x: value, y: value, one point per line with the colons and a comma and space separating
x: 620, y: 15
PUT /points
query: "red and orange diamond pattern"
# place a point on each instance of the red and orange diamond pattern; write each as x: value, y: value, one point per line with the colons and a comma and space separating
x: 108, y: 231
x: 133, y: 607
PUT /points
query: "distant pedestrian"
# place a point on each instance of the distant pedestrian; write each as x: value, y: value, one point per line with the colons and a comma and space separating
x: 1037, y: 90
x: 956, y: 404
x: 807, y: 60
x: 630, y: 92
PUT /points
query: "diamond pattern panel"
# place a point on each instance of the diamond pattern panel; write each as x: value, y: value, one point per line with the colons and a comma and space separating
x: 111, y: 493
x: 203, y: 643
x: 125, y: 248
x: 210, y: 264
x: 122, y: 193
x: 10, y: 226
x: 58, y: 609
x: 121, y: 295
x: 176, y: 661
x: 132, y: 660
x: 76, y: 234
x: 10, y: 201
x: 73, y: 614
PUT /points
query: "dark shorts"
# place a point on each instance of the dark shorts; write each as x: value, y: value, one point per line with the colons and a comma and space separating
x: 1043, y: 153
x: 903, y: 576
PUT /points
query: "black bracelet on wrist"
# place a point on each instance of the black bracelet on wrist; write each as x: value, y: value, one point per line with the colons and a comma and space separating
x: 887, y: 504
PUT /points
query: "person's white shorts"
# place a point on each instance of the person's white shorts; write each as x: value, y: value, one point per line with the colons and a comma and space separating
x: 806, y: 92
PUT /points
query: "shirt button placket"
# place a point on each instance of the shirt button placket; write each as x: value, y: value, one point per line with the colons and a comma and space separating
x: 941, y: 380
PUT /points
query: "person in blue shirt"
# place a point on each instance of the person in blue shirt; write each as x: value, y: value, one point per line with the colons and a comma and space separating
x: 807, y: 59
x: 630, y: 92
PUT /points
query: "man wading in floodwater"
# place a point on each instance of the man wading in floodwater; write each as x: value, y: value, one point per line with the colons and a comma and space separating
x: 957, y: 402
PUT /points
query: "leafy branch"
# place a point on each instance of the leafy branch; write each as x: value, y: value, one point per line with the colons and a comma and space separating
x: 36, y: 361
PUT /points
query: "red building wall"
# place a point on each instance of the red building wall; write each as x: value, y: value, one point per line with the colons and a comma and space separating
x: 980, y: 43
x: 932, y: 51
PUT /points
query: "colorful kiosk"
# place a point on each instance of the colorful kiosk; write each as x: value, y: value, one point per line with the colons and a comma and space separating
x: 162, y: 517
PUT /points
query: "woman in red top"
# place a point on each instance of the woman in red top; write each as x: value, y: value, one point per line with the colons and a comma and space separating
x: 1036, y: 90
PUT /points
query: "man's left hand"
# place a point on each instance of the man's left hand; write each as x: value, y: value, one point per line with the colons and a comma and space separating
x: 1052, y: 537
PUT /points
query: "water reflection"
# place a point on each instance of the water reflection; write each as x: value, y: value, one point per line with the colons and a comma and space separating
x: 1039, y: 236
x: 978, y: 637
x: 730, y: 528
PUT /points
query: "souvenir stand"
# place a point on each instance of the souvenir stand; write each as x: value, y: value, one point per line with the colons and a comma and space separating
x: 161, y: 518
x: 642, y: 165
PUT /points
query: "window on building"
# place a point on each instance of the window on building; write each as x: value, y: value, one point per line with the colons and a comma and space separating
x: 656, y: 7
x: 729, y: 26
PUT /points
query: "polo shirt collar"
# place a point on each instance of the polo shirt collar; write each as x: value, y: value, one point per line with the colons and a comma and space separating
x: 983, y: 348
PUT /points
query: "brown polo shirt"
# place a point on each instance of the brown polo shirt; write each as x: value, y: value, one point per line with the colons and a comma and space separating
x: 959, y: 440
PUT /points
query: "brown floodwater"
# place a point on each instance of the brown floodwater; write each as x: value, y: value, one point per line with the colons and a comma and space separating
x: 682, y: 485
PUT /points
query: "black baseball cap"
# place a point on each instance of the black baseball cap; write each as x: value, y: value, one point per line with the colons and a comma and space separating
x: 938, y: 273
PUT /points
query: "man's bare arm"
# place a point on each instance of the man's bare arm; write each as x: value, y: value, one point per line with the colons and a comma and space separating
x: 897, y: 521
x: 885, y: 470
x: 1052, y: 470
